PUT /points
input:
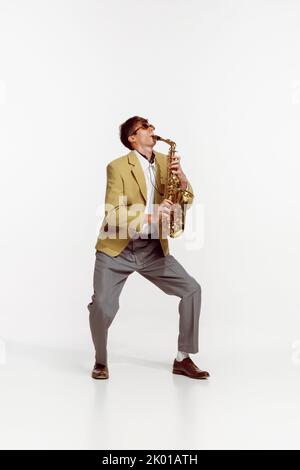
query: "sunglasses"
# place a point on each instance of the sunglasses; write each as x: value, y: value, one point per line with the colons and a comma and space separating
x: 145, y: 125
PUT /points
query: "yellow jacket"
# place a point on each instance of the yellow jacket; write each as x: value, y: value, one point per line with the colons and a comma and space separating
x: 125, y: 200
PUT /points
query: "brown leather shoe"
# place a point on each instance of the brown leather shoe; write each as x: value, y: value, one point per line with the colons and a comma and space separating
x: 188, y: 368
x: 100, y: 371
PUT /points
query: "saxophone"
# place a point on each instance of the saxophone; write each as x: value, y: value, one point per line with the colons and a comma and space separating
x: 174, y: 192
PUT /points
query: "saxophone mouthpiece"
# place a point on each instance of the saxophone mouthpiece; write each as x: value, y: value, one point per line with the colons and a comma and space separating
x: 167, y: 141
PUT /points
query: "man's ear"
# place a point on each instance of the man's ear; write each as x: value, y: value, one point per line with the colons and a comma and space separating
x: 131, y: 139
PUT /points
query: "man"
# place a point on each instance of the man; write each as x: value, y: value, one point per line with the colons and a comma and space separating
x: 131, y: 239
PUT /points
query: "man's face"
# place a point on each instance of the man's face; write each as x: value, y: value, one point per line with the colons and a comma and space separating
x: 142, y: 135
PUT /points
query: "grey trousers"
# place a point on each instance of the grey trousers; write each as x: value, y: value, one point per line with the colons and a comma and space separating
x: 146, y: 257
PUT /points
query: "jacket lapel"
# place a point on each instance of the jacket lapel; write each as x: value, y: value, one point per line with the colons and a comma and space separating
x: 138, y: 174
x: 160, y: 179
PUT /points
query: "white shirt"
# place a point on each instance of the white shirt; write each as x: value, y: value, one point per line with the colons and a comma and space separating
x: 149, y: 170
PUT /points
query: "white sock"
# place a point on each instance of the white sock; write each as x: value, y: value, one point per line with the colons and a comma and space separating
x: 181, y: 355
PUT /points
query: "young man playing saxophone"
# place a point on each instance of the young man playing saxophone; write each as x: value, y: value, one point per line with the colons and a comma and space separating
x: 129, y: 242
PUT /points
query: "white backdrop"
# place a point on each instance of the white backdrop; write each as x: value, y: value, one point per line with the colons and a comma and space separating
x: 222, y: 79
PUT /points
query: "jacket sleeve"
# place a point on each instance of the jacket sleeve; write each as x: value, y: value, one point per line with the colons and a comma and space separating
x: 117, y: 212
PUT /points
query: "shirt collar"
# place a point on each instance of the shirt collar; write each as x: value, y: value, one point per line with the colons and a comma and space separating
x: 152, y: 159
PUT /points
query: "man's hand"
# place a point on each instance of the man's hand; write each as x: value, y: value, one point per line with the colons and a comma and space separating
x: 176, y: 169
x: 162, y: 212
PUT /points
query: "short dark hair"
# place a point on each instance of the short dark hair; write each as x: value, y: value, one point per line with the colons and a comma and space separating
x: 127, y: 128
